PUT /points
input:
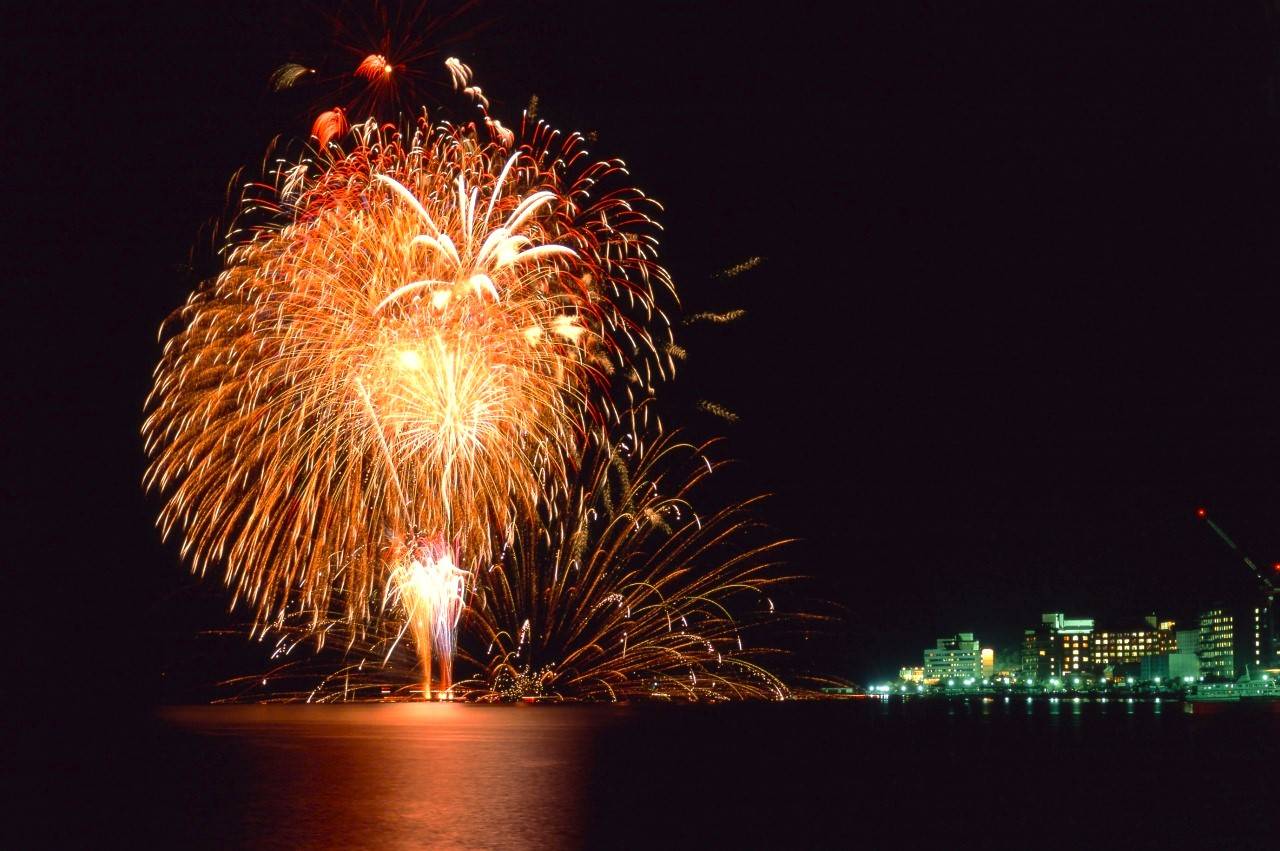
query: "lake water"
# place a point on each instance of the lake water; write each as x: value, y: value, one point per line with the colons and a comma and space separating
x: 838, y: 774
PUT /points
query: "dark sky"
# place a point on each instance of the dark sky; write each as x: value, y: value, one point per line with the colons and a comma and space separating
x: 1016, y: 319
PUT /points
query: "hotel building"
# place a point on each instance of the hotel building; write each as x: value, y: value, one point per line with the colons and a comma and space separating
x: 1126, y: 646
x: 1063, y: 646
x: 1059, y: 645
x: 955, y: 657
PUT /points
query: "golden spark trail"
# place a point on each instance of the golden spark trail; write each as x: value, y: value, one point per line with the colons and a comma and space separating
x: 630, y: 593
x: 431, y: 590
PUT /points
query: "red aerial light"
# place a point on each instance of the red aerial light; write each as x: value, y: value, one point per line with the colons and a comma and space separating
x: 1200, y: 512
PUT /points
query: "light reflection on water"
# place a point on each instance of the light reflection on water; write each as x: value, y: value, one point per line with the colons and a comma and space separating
x: 1007, y: 707
x: 796, y: 775
x: 387, y: 776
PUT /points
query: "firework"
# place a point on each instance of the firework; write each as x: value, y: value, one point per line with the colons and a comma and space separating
x: 717, y: 318
x: 329, y: 125
x: 739, y: 268
x: 631, y: 592
x: 430, y: 589
x: 624, y: 592
x: 289, y: 75
x: 411, y: 340
x: 718, y: 410
x: 374, y: 67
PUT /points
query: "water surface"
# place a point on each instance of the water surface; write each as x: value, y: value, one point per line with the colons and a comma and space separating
x: 845, y: 774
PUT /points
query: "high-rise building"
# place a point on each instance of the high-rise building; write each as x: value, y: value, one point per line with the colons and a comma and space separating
x: 988, y: 661
x: 1261, y: 645
x: 1238, y: 640
x: 1034, y: 663
x: 955, y: 657
x: 1217, y: 643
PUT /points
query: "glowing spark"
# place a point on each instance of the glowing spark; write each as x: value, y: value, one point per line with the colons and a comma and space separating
x: 718, y: 410
x: 431, y: 589
x: 329, y: 125
x: 374, y: 67
x: 458, y: 72
x: 717, y: 318
x: 477, y: 95
x: 288, y: 75
x: 738, y: 268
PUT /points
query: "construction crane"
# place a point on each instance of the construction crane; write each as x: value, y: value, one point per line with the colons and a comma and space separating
x: 1269, y: 587
x: 1270, y: 627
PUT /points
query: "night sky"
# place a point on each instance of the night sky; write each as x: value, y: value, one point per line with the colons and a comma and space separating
x: 1016, y: 317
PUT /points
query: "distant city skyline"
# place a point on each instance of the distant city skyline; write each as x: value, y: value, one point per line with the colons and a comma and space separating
x: 1223, y: 641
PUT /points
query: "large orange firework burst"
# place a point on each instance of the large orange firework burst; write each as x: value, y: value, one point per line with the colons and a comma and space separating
x: 412, y: 345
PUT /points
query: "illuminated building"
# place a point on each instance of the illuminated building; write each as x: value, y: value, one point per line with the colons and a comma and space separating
x: 1125, y: 646
x: 1267, y: 632
x: 956, y: 657
x: 1262, y: 644
x: 1074, y: 652
x: 1235, y: 640
x: 1217, y: 640
x: 1252, y: 645
x: 1182, y: 662
x: 988, y: 661
x: 1035, y: 663
x: 1060, y: 645
x: 911, y: 675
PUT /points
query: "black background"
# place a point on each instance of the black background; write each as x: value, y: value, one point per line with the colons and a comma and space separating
x: 1016, y: 318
